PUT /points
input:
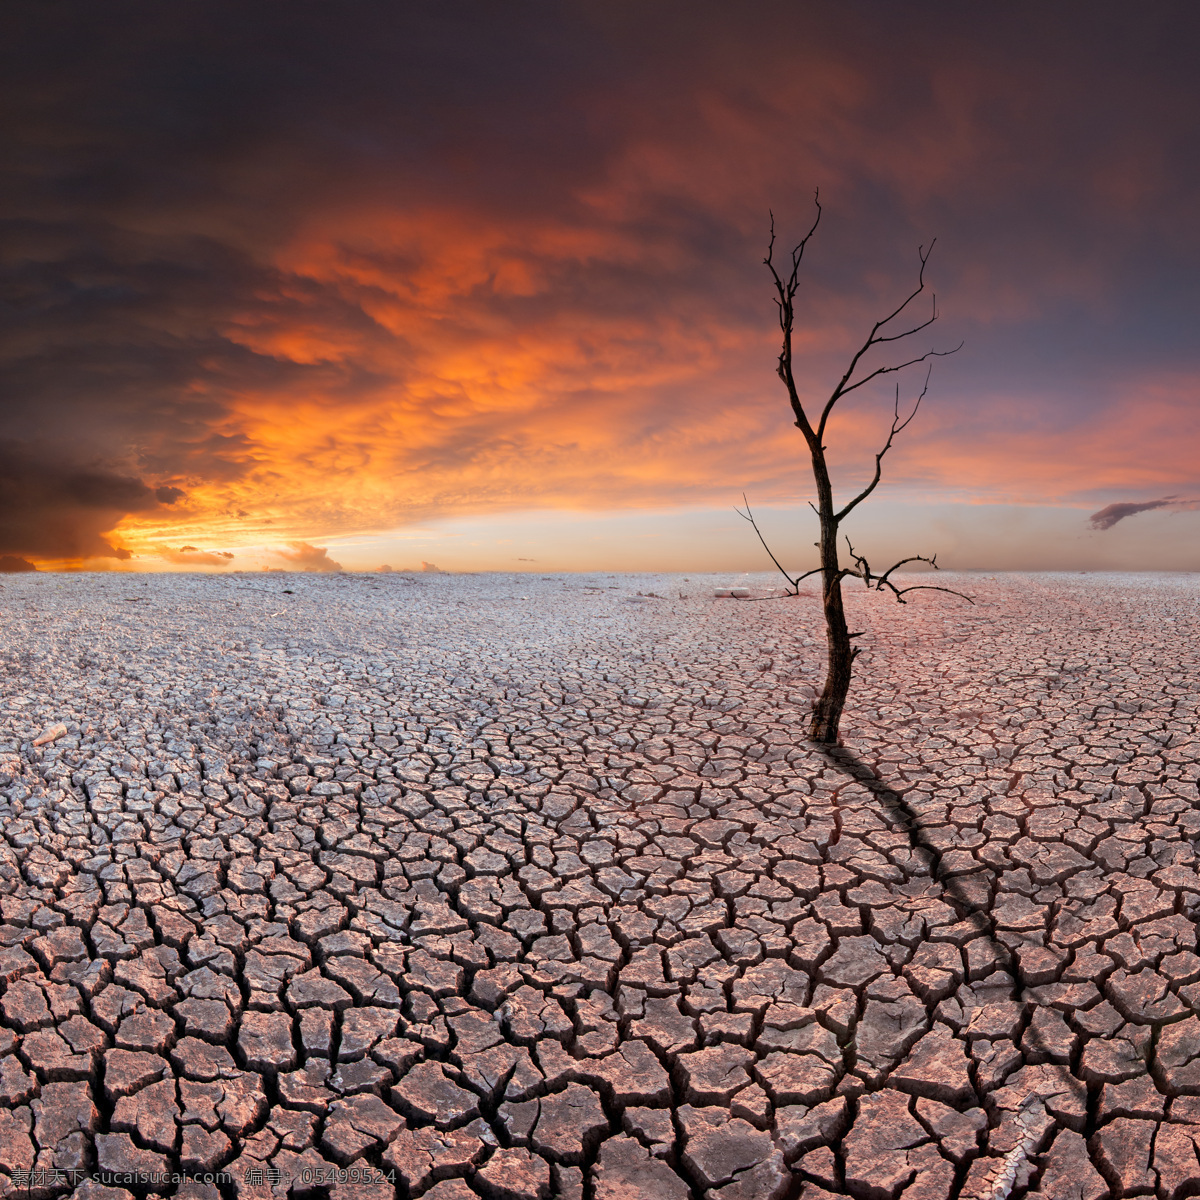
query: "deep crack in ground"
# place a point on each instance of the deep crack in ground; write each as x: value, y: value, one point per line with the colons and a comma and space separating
x: 519, y: 887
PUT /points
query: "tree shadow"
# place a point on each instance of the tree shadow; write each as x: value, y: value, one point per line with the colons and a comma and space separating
x: 906, y: 817
x: 900, y: 814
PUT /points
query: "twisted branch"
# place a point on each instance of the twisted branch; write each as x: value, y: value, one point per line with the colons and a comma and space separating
x: 794, y: 584
x: 862, y: 571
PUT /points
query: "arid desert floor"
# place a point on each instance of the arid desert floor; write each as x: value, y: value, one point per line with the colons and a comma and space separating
x: 520, y: 887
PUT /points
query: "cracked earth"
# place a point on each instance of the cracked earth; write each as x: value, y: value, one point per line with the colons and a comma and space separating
x: 517, y: 888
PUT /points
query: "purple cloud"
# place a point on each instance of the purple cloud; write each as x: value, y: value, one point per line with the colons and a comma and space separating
x: 1106, y: 518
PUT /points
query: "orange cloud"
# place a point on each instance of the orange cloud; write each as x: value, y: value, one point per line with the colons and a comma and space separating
x: 189, y: 556
x: 300, y: 556
x: 455, y: 391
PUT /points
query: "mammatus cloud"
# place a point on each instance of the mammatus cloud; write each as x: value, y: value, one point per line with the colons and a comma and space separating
x: 303, y: 557
x: 1107, y: 517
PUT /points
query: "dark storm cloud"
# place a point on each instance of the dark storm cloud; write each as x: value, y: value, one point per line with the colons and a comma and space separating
x: 125, y: 342
x: 1108, y: 516
x: 49, y: 509
x: 196, y: 237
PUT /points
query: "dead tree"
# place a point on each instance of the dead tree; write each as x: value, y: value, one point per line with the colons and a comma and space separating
x: 827, y: 708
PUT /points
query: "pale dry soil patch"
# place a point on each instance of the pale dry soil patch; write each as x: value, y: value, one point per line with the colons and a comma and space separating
x: 521, y: 887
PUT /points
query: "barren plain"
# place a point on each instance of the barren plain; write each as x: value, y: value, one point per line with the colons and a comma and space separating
x: 520, y: 887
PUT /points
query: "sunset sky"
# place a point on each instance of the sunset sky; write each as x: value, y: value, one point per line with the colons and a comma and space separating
x: 480, y: 284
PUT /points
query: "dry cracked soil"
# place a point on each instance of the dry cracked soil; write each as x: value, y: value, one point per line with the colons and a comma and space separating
x: 518, y: 887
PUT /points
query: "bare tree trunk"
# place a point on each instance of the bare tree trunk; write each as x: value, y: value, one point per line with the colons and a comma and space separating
x: 827, y: 709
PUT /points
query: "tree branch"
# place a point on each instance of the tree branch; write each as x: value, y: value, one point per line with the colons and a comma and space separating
x: 879, y: 582
x: 912, y: 362
x: 897, y: 427
x: 786, y: 294
x: 795, y: 583
x: 765, y: 599
x: 749, y: 516
x: 876, y: 338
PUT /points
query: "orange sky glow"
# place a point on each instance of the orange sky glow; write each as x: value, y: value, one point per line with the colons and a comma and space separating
x: 349, y: 314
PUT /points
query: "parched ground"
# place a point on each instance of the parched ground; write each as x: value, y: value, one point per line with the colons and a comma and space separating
x: 516, y: 887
